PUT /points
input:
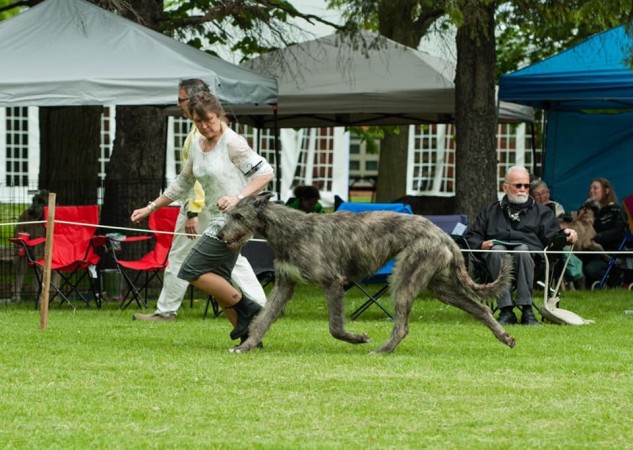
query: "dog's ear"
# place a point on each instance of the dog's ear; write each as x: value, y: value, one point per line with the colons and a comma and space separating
x: 263, y: 198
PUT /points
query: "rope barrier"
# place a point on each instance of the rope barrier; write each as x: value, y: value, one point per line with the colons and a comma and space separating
x: 110, y: 227
x: 464, y: 250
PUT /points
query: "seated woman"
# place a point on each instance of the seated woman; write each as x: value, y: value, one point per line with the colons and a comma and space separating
x: 610, y: 227
x: 540, y: 192
x: 306, y: 199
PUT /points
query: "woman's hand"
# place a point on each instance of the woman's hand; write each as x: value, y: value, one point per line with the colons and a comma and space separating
x: 191, y: 227
x: 227, y: 202
x: 140, y: 214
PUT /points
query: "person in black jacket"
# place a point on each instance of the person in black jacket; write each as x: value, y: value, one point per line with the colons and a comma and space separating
x: 610, y: 227
x: 516, y: 222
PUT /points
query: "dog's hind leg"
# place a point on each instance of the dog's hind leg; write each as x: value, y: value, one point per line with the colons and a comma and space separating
x: 448, y: 291
x: 335, y: 294
x: 279, y: 296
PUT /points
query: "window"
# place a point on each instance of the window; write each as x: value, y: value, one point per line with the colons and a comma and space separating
x: 17, y: 146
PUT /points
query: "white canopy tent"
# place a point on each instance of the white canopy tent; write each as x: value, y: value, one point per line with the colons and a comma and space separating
x: 71, y: 52
x: 367, y: 79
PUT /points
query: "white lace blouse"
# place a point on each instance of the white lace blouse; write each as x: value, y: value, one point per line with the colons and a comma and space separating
x: 225, y: 170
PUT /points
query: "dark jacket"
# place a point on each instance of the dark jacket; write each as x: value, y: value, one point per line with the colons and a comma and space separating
x: 610, y: 226
x: 536, y: 226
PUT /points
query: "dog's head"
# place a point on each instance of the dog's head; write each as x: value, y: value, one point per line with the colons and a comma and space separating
x: 244, y: 220
x: 588, y: 211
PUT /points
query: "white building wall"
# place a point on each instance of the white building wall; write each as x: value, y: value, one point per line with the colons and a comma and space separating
x: 317, y: 156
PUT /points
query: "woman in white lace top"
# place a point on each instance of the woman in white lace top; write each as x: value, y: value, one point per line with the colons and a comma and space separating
x: 228, y: 170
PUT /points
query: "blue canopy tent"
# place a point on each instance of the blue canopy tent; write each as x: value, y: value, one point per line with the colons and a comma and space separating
x: 587, y: 94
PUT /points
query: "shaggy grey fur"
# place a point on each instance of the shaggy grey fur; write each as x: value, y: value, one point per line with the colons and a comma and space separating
x: 332, y: 249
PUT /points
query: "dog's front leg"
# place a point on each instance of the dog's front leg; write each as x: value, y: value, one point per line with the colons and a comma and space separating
x: 279, y: 296
x: 335, y: 295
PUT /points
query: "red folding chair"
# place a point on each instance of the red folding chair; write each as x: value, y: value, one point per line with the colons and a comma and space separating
x: 139, y: 273
x: 74, y: 258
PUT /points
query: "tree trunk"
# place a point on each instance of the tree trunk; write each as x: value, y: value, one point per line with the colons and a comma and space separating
x: 475, y: 121
x: 395, y: 22
x: 69, y: 153
x: 392, y: 171
x: 136, y: 171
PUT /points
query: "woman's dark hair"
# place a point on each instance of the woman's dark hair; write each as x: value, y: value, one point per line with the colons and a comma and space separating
x: 202, y: 103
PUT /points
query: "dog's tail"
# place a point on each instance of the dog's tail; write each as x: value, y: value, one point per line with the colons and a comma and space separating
x: 487, y: 290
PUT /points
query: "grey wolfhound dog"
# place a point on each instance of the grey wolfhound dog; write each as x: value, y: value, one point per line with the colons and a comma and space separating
x: 332, y: 249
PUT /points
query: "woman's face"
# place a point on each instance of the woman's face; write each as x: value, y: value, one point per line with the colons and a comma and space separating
x: 597, y: 192
x: 541, y: 195
x: 210, y: 126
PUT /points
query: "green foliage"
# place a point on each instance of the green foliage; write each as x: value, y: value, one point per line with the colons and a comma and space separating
x: 7, y: 9
x: 246, y: 27
x: 97, y: 379
x: 371, y: 135
x: 531, y: 31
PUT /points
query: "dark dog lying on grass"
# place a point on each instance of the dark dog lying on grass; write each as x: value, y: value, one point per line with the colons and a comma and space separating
x: 332, y: 249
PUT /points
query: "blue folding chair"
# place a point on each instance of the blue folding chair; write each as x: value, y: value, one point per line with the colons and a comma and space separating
x: 381, y: 275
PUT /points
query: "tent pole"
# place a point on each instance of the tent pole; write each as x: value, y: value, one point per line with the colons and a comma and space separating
x: 538, y: 173
x: 277, y: 152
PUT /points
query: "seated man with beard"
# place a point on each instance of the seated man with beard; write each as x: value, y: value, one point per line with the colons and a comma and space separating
x: 516, y: 222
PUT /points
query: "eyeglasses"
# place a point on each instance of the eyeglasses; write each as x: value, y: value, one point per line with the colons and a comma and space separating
x: 521, y: 185
x: 182, y: 100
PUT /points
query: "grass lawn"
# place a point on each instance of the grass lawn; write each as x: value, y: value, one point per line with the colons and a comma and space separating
x: 97, y: 379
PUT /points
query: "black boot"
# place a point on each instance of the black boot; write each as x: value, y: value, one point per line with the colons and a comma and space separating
x: 527, y: 316
x: 506, y: 316
x: 246, y: 310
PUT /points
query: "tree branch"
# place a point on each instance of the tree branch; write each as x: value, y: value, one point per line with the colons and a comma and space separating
x: 19, y: 4
x: 236, y: 7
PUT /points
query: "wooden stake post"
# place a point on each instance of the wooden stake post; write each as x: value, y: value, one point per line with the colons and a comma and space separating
x: 48, y: 258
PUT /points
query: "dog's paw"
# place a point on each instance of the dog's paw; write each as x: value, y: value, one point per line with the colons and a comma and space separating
x: 360, y: 339
x: 382, y: 351
x: 509, y: 341
x: 239, y: 349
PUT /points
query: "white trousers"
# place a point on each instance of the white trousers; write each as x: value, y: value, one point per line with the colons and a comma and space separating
x: 174, y: 288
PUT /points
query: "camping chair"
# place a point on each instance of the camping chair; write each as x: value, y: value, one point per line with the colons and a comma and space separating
x: 620, y: 263
x: 547, y: 269
x: 153, y: 263
x: 73, y: 256
x: 381, y: 275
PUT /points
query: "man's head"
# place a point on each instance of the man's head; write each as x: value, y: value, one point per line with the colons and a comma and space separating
x: 517, y: 185
x: 186, y: 90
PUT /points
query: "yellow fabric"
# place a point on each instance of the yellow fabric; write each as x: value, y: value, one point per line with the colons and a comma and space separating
x: 196, y: 204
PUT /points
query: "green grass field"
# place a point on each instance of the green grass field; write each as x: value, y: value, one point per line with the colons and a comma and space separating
x: 97, y: 379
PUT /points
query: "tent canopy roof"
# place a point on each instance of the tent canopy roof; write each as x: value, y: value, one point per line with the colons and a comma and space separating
x: 365, y: 79
x: 71, y: 52
x: 594, y: 74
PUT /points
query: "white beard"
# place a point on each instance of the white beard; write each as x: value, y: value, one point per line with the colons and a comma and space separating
x: 518, y: 199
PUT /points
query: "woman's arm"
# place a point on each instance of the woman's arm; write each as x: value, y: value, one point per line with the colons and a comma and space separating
x: 254, y: 167
x: 142, y: 213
